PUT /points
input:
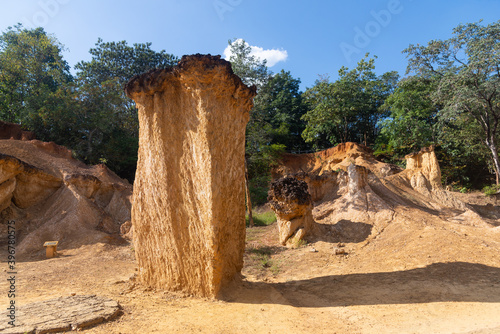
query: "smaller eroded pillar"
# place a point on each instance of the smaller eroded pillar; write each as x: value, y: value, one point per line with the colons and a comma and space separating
x: 291, y: 201
x: 188, y: 208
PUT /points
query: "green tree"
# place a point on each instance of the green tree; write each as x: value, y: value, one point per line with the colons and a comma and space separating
x: 467, y: 66
x: 412, y: 119
x: 349, y: 108
x: 108, y: 124
x: 33, y: 75
x: 416, y: 121
x: 251, y: 70
x: 281, y: 105
x: 275, y: 124
x: 463, y: 157
x: 275, y: 120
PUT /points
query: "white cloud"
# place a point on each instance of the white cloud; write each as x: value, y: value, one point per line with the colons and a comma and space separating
x: 273, y: 56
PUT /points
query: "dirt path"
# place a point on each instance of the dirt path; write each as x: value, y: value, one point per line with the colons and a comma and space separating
x: 402, y: 281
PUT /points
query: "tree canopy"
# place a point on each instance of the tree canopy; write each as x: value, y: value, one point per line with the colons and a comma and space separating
x: 412, y: 115
x: 467, y: 67
x: 349, y: 108
x: 108, y: 118
x: 32, y: 73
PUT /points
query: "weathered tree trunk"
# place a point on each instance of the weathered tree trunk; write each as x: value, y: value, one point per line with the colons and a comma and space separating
x: 188, y: 209
x: 249, y: 200
x: 494, y: 154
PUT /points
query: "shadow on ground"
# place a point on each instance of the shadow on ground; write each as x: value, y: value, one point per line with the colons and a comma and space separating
x: 438, y: 282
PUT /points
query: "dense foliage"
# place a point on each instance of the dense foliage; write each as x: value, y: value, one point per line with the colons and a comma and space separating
x: 33, y: 76
x: 109, y: 132
x: 89, y: 112
x: 450, y: 98
x: 349, y: 108
x: 465, y: 70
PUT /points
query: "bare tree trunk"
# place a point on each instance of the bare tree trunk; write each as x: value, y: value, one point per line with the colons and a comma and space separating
x: 496, y: 161
x: 89, y: 143
x: 249, y: 201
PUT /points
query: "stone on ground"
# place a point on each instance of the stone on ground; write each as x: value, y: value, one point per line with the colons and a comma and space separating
x: 60, y: 315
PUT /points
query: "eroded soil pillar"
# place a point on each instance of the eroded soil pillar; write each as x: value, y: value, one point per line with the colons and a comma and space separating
x: 188, y: 209
x: 292, y: 204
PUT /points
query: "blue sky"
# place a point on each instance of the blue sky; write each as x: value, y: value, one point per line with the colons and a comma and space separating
x: 317, y: 37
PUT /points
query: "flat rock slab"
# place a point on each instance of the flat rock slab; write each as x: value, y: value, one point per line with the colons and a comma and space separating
x: 61, y: 314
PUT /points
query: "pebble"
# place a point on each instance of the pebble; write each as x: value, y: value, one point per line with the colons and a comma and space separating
x: 339, y: 251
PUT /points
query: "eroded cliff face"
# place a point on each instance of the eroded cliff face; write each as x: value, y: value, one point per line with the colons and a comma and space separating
x: 321, y: 170
x: 355, y: 196
x: 52, y: 196
x: 423, y: 176
x: 188, y: 212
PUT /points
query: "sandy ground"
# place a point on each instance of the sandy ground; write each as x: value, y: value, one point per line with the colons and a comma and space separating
x: 417, y: 275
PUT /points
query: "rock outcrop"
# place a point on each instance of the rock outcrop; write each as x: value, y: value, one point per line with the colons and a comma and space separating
x: 425, y: 171
x: 292, y: 204
x: 321, y: 169
x: 420, y: 182
x: 355, y: 196
x: 188, y: 212
x: 52, y: 196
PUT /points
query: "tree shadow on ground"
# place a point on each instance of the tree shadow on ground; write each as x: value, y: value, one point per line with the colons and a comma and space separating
x: 438, y: 282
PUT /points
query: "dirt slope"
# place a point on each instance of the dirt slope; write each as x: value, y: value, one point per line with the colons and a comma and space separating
x: 52, y: 196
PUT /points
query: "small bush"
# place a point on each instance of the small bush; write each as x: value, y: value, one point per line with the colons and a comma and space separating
x: 262, y: 219
x: 491, y: 190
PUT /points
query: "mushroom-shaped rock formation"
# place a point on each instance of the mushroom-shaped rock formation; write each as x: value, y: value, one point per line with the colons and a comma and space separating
x: 292, y: 204
x: 188, y: 210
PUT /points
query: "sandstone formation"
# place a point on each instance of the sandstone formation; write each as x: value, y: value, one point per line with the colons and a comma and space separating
x: 292, y: 204
x: 321, y: 169
x: 188, y: 211
x: 424, y: 175
x: 356, y: 197
x: 52, y: 196
x: 61, y: 314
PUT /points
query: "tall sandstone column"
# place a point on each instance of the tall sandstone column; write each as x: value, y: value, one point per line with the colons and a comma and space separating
x: 188, y: 209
